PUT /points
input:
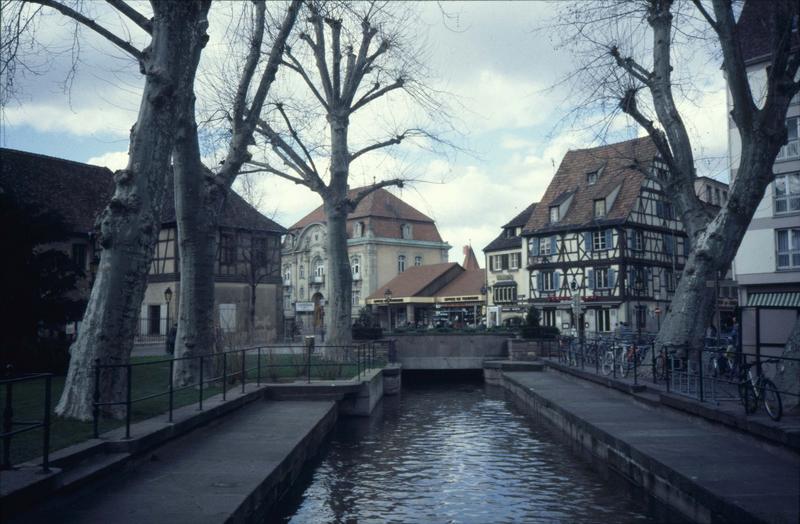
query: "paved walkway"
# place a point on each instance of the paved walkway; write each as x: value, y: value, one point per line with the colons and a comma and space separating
x: 202, y: 477
x: 762, y: 479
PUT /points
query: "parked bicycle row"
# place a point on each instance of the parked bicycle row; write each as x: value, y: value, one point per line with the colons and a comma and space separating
x: 717, y: 373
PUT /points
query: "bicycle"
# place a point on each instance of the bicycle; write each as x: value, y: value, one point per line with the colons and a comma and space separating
x: 634, y: 357
x: 754, y: 390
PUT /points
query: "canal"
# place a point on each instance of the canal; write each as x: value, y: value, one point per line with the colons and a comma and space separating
x: 454, y: 452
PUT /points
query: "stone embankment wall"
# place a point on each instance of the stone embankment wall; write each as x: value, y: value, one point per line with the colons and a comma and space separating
x: 442, y: 352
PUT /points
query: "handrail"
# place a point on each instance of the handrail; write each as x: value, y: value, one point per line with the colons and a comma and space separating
x: 9, y: 422
x: 361, y: 356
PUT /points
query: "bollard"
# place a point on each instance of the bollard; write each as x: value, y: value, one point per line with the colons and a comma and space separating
x: 308, y: 340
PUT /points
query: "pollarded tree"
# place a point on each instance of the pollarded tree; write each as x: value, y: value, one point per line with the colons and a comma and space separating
x: 200, y: 193
x: 632, y: 59
x: 130, y: 223
x: 351, y: 56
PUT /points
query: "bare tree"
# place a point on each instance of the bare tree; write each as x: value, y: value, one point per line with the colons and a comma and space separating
x: 200, y: 193
x: 130, y: 223
x: 634, y: 45
x: 350, y: 56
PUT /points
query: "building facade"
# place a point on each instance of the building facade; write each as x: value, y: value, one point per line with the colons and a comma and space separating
x: 604, y: 244
x: 247, y: 282
x: 386, y: 236
x: 767, y: 264
x: 506, y: 274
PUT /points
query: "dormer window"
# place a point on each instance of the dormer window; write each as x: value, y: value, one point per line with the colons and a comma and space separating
x: 510, y: 233
x: 405, y: 231
x: 554, y: 214
x: 358, y: 229
x: 591, y: 178
x: 600, y: 208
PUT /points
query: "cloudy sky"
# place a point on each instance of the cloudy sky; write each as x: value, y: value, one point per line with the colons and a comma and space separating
x: 493, y: 60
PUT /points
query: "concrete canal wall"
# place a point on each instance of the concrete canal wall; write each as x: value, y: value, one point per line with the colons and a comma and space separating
x: 444, y: 351
x: 707, y: 473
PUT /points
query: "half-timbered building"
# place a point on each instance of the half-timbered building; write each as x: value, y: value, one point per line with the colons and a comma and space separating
x: 605, y: 238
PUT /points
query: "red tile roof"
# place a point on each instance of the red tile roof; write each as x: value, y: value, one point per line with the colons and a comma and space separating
x: 470, y: 260
x: 622, y: 166
x: 384, y: 213
x: 467, y: 283
x: 416, y: 279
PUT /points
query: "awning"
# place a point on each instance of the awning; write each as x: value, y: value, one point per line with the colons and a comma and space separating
x: 505, y: 283
x: 788, y: 299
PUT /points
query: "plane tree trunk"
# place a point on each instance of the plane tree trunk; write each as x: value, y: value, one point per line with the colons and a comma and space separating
x: 130, y: 223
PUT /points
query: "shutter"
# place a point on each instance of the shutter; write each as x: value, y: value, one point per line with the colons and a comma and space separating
x: 631, y: 282
x: 539, y: 281
x: 553, y: 245
x: 612, y: 274
x: 591, y: 279
x: 587, y: 241
x: 535, y: 246
x: 556, y: 285
x: 649, y: 280
x: 608, y: 239
x: 659, y: 208
x: 663, y: 279
x: 629, y: 233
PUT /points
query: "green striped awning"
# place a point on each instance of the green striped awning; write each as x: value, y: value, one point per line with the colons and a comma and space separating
x: 789, y: 299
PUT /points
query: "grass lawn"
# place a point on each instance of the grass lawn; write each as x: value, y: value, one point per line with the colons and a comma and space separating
x: 149, y: 378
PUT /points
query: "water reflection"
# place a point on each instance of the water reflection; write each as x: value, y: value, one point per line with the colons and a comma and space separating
x: 455, y: 453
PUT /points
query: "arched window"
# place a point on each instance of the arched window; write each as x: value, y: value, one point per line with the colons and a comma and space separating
x: 302, y: 271
x: 401, y: 263
x: 417, y: 260
x: 355, y: 266
x: 358, y: 229
x: 405, y: 231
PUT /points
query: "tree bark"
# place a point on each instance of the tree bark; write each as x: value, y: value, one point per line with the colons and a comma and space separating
x: 130, y: 223
x: 200, y: 198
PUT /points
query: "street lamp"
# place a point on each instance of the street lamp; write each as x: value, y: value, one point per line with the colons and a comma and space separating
x: 168, y: 299
x: 387, y: 295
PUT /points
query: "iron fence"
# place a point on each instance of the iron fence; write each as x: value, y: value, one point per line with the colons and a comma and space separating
x: 718, y: 372
x: 151, y: 330
x: 258, y: 364
x: 22, y: 426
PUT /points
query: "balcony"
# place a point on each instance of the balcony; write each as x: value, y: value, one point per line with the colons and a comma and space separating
x: 287, y: 282
x: 789, y: 151
x: 356, y: 276
x: 318, y: 279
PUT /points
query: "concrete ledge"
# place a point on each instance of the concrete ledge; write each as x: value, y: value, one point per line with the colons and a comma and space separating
x: 679, y: 491
x: 608, y: 382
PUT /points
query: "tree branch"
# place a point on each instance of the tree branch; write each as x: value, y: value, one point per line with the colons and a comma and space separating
x: 706, y: 15
x: 135, y: 16
x: 264, y: 167
x: 630, y: 107
x: 318, y: 49
x: 297, y: 67
x: 378, y: 145
x: 94, y: 26
x: 336, y: 48
x: 354, y: 201
x: 373, y: 94
x: 356, y: 72
x: 632, y: 67
x: 290, y: 156
x: 296, y: 137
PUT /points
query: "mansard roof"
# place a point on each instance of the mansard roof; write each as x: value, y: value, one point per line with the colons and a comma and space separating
x: 417, y: 279
x: 622, y: 165
x: 384, y: 213
x: 79, y: 192
x: 504, y: 242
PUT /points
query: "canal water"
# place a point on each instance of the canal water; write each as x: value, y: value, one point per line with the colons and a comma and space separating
x: 454, y: 453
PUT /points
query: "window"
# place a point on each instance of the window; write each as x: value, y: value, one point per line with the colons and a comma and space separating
x: 401, y: 263
x: 227, y: 317
x: 405, y: 231
x: 669, y: 280
x: 638, y: 241
x: 792, y: 147
x: 358, y: 229
x: 302, y: 272
x: 79, y: 255
x: 554, y: 216
x: 319, y: 270
x: 549, y: 281
x: 418, y: 260
x: 591, y: 178
x: 287, y: 276
x: 641, y: 317
x: 601, y: 279
x: 604, y: 320
x: 787, y: 193
x: 356, y: 297
x: 355, y: 266
x: 600, y: 207
x: 637, y: 281
x: 544, y: 246
x: 788, y: 248
x: 668, y: 243
x: 600, y: 240
x: 708, y: 194
x: 504, y: 294
x: 259, y: 252
x: 514, y: 260
x: 499, y: 262
x: 548, y: 317
x: 717, y: 196
x: 227, y: 249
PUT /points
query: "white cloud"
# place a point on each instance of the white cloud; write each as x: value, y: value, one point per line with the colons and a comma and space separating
x: 113, y: 160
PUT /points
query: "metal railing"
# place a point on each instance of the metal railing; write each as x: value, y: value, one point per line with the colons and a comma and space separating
x: 23, y: 426
x: 259, y: 364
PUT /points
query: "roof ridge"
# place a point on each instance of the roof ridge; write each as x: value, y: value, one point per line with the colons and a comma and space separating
x: 49, y: 157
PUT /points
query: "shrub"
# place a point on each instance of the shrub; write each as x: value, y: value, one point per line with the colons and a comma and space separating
x: 545, y: 332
